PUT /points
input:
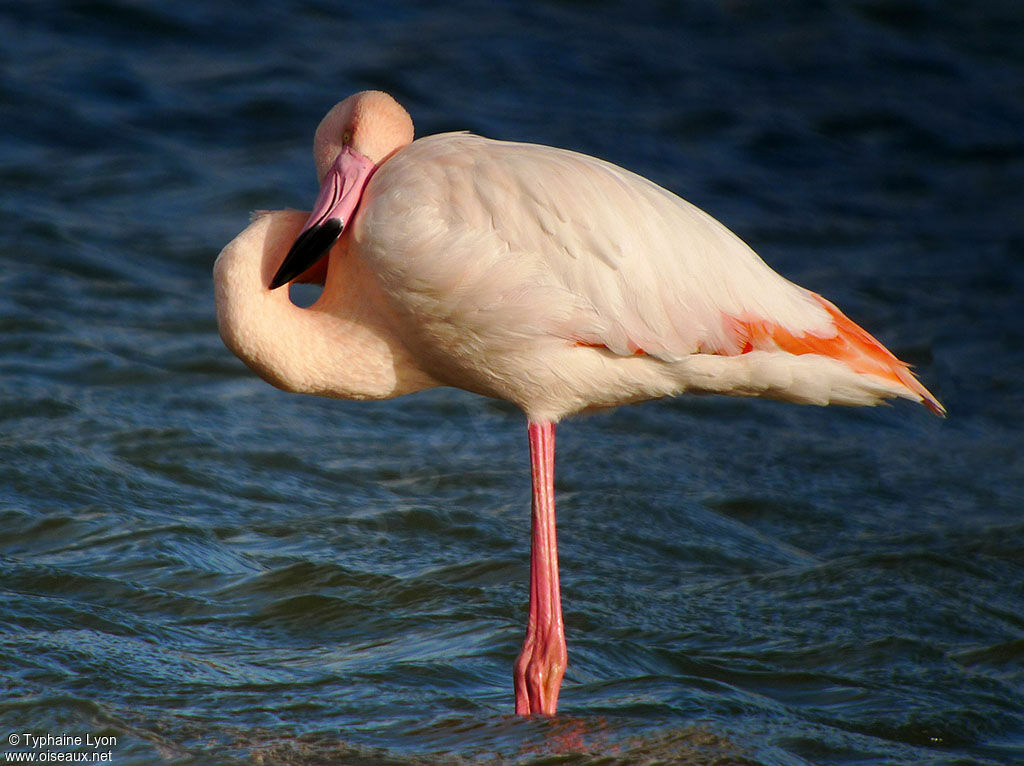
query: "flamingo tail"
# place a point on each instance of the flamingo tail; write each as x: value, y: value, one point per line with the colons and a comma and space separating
x: 851, y: 344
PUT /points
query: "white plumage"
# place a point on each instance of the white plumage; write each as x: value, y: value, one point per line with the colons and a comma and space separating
x: 536, y: 274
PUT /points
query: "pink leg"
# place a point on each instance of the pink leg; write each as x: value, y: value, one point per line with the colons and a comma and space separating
x: 541, y: 664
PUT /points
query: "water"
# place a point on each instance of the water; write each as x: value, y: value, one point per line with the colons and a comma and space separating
x: 212, y: 571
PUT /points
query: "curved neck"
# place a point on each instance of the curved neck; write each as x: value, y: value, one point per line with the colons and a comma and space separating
x: 341, y: 346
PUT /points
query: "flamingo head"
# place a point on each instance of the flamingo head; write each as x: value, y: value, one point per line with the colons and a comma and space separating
x: 355, y: 138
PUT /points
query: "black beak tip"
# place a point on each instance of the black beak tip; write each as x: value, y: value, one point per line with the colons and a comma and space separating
x: 309, y: 247
x: 281, y: 278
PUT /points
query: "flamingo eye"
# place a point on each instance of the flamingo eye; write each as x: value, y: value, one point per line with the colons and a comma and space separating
x: 346, y: 137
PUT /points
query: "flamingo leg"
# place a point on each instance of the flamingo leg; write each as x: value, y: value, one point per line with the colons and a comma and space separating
x: 541, y: 664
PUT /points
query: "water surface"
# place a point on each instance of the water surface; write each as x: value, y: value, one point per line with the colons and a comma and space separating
x: 213, y: 571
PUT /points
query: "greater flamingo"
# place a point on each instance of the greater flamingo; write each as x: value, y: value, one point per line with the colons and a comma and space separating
x: 547, y: 278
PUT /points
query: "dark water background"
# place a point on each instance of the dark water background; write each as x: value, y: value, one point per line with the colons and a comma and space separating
x: 213, y: 571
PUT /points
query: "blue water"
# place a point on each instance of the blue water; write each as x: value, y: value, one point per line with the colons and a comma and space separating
x: 212, y: 571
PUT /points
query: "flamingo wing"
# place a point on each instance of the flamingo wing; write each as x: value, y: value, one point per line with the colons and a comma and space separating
x: 526, y: 240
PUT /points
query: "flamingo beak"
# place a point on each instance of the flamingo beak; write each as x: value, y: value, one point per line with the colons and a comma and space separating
x: 339, y: 195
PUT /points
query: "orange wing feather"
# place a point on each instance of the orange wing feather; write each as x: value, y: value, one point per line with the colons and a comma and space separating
x: 851, y: 344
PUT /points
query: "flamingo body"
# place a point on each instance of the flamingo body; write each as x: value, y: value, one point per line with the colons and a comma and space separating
x: 547, y: 278
x: 563, y: 283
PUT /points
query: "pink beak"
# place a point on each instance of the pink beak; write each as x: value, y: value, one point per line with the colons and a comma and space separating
x: 334, y: 207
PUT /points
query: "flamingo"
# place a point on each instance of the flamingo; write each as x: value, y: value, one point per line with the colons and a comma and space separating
x: 543, y: 277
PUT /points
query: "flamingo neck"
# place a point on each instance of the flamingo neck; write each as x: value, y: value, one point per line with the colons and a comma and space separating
x: 341, y: 346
